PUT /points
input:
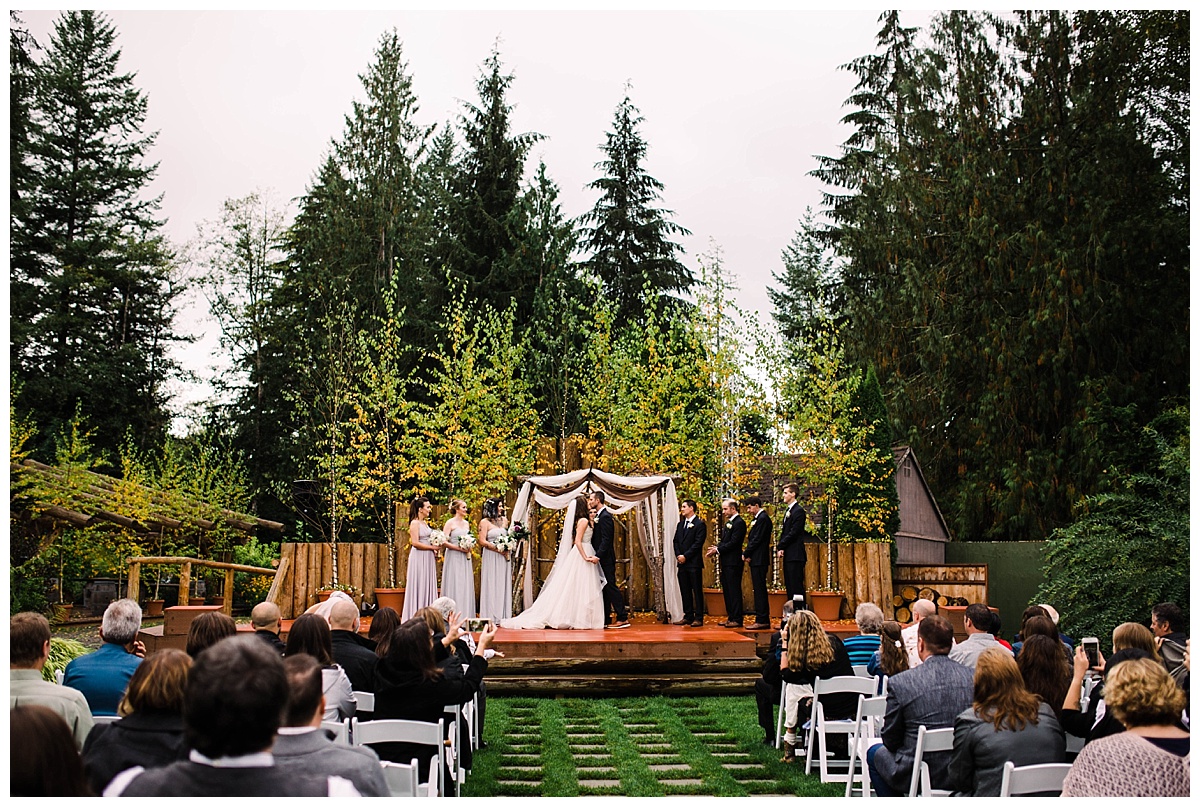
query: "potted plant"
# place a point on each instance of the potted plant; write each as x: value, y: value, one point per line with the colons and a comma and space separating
x: 326, y: 590
x: 390, y: 597
x: 826, y: 603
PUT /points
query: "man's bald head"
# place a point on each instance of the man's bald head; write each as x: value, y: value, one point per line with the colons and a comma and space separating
x: 343, y: 615
x: 266, y: 616
x: 922, y: 609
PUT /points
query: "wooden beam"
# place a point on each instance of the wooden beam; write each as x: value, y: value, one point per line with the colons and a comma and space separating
x: 277, y: 583
x: 135, y: 581
x: 185, y: 581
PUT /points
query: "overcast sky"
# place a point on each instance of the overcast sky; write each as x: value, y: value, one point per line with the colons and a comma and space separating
x: 736, y: 105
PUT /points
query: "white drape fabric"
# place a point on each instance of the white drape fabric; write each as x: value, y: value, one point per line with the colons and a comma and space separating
x: 622, y: 493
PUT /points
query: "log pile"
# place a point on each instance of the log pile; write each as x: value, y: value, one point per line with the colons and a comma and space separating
x: 909, y: 594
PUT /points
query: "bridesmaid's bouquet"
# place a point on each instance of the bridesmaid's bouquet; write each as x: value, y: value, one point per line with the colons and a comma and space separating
x: 518, y: 532
x: 438, y: 538
x: 465, y: 541
x: 505, y: 541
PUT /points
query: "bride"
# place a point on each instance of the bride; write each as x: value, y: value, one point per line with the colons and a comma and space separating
x: 571, y: 597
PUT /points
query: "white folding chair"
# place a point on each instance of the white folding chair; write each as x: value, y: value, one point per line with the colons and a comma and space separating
x: 454, y: 753
x: 820, y: 727
x: 782, y: 711
x: 861, y: 669
x: 1074, y: 743
x: 369, y: 732
x: 58, y: 676
x: 98, y: 719
x: 1046, y: 778
x: 365, y: 700
x: 867, y: 725
x: 340, y: 729
x: 401, y: 777
x: 928, y: 741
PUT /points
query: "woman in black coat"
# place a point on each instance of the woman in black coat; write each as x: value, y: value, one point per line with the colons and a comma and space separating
x: 150, y: 731
x: 410, y: 685
x: 810, y: 653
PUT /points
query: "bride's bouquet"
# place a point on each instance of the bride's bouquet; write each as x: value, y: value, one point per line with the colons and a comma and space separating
x: 465, y: 541
x: 438, y: 538
x: 505, y: 541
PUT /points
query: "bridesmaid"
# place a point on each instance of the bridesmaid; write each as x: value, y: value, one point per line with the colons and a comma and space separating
x: 421, y: 588
x: 458, y: 575
x: 495, y: 581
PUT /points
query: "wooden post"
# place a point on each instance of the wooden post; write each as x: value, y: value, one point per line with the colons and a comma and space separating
x: 135, y: 577
x: 227, y: 607
x: 277, y: 583
x: 185, y: 582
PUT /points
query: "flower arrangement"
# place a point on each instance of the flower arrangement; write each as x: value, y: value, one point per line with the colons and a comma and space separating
x: 518, y: 532
x: 505, y: 541
x: 465, y: 541
x: 346, y: 587
x: 438, y: 538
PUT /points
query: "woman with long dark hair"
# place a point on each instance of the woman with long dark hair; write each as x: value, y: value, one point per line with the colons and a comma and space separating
x: 1045, y: 671
x: 891, y: 657
x: 422, y: 586
x: 495, y: 577
x: 150, y: 731
x: 1005, y: 722
x: 383, y: 625
x: 410, y: 685
x: 310, y: 634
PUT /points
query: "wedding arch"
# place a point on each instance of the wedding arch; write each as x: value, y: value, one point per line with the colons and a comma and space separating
x: 656, y: 510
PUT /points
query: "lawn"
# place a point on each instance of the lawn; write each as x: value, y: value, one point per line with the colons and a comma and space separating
x: 705, y: 746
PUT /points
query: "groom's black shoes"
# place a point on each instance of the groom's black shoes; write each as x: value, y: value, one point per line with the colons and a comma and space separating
x: 617, y: 625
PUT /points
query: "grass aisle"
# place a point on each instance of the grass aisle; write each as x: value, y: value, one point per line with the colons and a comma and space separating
x: 632, y: 747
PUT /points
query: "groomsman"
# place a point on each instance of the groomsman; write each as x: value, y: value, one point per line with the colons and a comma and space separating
x: 689, y: 541
x: 729, y: 548
x: 791, y: 543
x: 758, y: 555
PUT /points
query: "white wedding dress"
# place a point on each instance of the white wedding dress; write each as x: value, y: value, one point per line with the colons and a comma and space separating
x: 571, y: 596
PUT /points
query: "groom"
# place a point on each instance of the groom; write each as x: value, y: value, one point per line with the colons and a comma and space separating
x: 602, y: 543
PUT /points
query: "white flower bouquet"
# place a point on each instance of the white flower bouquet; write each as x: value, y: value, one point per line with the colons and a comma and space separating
x: 505, y: 541
x: 438, y: 538
x: 465, y: 541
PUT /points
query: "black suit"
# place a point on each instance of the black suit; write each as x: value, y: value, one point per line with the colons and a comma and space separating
x: 356, y: 655
x: 729, y: 549
x: 689, y: 541
x: 603, y: 544
x: 758, y: 553
x: 791, y: 541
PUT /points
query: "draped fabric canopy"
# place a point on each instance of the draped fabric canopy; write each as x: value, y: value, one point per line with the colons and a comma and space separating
x: 656, y: 510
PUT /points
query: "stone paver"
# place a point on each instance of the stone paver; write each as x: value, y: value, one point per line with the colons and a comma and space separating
x: 681, y: 782
x: 740, y: 766
x: 599, y: 782
x: 676, y: 767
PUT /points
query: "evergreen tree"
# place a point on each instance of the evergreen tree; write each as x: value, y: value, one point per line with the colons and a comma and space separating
x: 869, y: 504
x: 93, y: 279
x: 805, y: 293
x: 626, y: 235
x: 22, y: 78
x: 491, y: 226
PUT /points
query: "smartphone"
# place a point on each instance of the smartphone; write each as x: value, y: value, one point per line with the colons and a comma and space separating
x: 476, y: 625
x: 1091, y: 647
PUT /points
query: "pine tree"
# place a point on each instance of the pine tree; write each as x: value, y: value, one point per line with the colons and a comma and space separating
x: 96, y: 284
x: 626, y: 235
x: 804, y: 296
x: 491, y: 226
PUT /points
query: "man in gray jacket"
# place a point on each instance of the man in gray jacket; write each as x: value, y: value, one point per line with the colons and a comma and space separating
x: 929, y: 695
x: 303, y: 746
x: 977, y: 621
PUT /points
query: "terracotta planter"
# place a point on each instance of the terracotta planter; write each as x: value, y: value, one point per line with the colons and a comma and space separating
x: 714, y: 602
x: 323, y: 595
x: 218, y: 601
x: 154, y: 608
x: 390, y: 598
x: 775, y: 601
x: 827, y: 605
x: 195, y: 601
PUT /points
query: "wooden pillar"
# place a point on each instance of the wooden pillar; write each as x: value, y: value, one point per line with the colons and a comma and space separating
x: 135, y: 577
x: 185, y: 582
x: 227, y: 607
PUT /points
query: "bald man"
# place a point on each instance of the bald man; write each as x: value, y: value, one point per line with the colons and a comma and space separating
x: 355, y: 653
x: 920, y: 610
x: 266, y: 620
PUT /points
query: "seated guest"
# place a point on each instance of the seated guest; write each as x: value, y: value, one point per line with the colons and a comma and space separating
x: 267, y: 622
x: 810, y: 653
x: 150, y: 731
x: 1005, y: 722
x: 1151, y: 757
x: 1052, y: 612
x: 303, y: 746
x: 310, y: 634
x: 891, y: 658
x: 930, y: 695
x: 769, y: 688
x: 1043, y: 626
x: 208, y: 629
x: 920, y: 610
x: 977, y: 622
x: 1045, y: 671
x: 409, y: 685
x: 383, y: 625
x: 1167, y: 624
x: 236, y: 695
x: 1026, y: 615
x: 28, y: 649
x: 103, y: 674
x: 43, y: 757
x: 869, y: 619
x: 353, y: 653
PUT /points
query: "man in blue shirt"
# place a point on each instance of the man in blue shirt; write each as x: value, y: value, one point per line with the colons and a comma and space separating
x: 103, y: 675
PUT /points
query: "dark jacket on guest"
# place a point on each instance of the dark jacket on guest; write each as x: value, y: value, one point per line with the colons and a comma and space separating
x: 980, y: 751
x: 271, y: 639
x: 149, y: 739
x: 402, y: 694
x: 837, y: 705
x: 356, y: 655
